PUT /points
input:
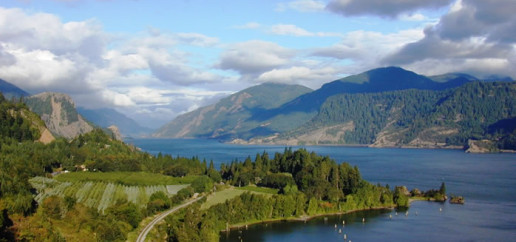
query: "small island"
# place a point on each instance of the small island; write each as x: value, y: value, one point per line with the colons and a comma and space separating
x: 457, y: 200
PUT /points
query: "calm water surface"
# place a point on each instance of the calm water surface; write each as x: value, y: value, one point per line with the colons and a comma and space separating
x: 487, y: 181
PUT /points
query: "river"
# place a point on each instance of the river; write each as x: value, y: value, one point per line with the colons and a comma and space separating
x: 487, y: 181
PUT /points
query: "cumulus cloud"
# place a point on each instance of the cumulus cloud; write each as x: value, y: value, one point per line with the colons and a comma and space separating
x: 475, y: 35
x: 254, y: 56
x: 249, y: 25
x: 289, y: 29
x: 299, y: 74
x: 364, y: 49
x: 382, y: 8
x: 39, y: 52
x: 301, y: 6
x: 292, y: 30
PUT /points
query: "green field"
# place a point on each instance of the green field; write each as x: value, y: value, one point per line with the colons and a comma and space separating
x: 222, y: 196
x: 259, y: 189
x: 125, y: 178
x: 103, y: 192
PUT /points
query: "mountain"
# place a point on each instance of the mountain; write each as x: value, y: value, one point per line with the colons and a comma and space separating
x: 59, y: 114
x: 453, y: 77
x: 106, y: 117
x: 381, y: 107
x: 9, y: 90
x: 232, y: 117
x: 291, y: 112
x: 413, y: 118
x: 498, y: 78
x: 19, y: 123
x: 375, y: 80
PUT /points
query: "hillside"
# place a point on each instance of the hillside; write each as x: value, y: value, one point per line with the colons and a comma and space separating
x: 9, y: 90
x: 415, y: 118
x: 17, y: 122
x: 59, y: 114
x: 106, y: 117
x: 375, y: 80
x: 242, y: 115
x: 232, y: 117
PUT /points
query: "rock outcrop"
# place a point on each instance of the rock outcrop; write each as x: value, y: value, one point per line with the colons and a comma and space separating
x: 116, y: 132
x: 481, y: 146
x: 58, y: 112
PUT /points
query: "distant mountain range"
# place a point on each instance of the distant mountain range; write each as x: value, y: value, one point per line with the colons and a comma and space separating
x: 106, y: 117
x: 380, y: 107
x: 9, y: 90
x: 233, y: 116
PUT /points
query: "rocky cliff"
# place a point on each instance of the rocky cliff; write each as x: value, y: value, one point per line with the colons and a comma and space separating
x: 58, y: 112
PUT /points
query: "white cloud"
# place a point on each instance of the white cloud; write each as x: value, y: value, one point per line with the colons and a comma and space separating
x: 289, y: 29
x: 117, y: 99
x: 301, y: 6
x: 292, y: 30
x: 250, y: 25
x: 196, y: 39
x: 368, y: 48
x: 305, y: 75
x: 39, y: 52
x: 145, y: 95
x: 254, y: 56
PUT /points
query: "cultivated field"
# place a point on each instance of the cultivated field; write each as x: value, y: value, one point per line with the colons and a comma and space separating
x: 125, y: 178
x: 102, y: 192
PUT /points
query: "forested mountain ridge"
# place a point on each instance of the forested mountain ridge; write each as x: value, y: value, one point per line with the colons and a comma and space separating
x: 301, y: 120
x: 375, y: 80
x: 415, y: 118
x: 232, y: 117
x: 58, y: 112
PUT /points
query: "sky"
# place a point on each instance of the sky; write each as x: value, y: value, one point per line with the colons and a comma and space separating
x: 156, y: 59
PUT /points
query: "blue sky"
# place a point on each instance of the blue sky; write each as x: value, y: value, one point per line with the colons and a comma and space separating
x: 154, y: 60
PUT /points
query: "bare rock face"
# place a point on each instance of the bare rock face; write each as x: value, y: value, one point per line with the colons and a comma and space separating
x: 481, y: 146
x: 58, y: 112
x: 46, y: 136
x: 116, y: 132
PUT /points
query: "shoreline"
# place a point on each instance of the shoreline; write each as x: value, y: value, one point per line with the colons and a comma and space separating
x: 430, y: 147
x: 300, y: 219
x: 307, y: 218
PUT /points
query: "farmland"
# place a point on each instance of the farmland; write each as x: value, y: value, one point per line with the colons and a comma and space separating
x: 102, y: 190
x: 125, y: 178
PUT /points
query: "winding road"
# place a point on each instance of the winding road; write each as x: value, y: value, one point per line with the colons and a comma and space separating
x: 147, y: 229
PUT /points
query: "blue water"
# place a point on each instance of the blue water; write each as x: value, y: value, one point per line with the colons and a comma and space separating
x: 487, y: 181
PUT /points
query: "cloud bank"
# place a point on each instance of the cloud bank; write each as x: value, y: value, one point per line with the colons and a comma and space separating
x: 476, y: 36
